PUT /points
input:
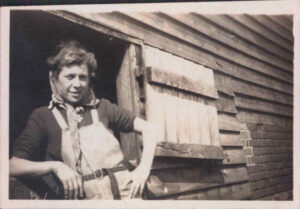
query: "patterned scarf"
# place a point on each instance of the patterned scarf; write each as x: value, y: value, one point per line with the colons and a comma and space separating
x: 73, y: 117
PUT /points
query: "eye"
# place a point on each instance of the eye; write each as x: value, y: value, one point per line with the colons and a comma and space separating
x: 70, y: 76
x: 83, y: 77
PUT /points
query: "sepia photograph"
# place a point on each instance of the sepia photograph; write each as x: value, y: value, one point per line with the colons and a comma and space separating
x: 177, y: 104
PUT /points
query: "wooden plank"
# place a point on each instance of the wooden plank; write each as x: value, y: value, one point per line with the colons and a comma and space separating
x: 271, y: 190
x: 228, y: 123
x: 268, y: 35
x: 240, y: 191
x: 180, y: 82
x: 204, y: 125
x: 270, y: 174
x: 171, y: 45
x: 80, y: 20
x: 269, y: 128
x: 271, y: 143
x: 262, y: 106
x: 256, y: 168
x: 220, y: 34
x: 271, y: 182
x: 230, y: 140
x: 274, y: 27
x: 271, y: 135
x: 242, y: 31
x: 168, y: 149
x: 179, y: 180
x: 226, y: 104
x: 286, y: 195
x: 194, y: 123
x: 213, y: 125
x: 125, y: 100
x: 248, y: 89
x: 160, y: 59
x: 234, y: 156
x: 272, y: 158
x: 282, y: 21
x: 164, y: 23
x: 271, y: 150
x: 251, y: 117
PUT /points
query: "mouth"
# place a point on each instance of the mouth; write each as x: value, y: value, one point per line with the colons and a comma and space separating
x: 75, y: 94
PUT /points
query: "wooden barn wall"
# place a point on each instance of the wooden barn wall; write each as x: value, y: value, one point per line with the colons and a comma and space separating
x: 252, y: 60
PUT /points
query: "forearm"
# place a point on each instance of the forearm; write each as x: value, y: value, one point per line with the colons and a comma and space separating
x: 20, y: 167
x: 149, y: 145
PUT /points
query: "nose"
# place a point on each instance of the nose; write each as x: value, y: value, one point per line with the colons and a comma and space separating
x: 76, y: 82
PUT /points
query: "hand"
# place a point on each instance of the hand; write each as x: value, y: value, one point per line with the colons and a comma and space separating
x: 70, y: 179
x: 138, y: 177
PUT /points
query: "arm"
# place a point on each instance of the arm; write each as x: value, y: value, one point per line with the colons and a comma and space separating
x: 140, y: 175
x: 70, y: 179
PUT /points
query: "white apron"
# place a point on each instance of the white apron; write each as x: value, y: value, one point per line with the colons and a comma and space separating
x: 100, y: 149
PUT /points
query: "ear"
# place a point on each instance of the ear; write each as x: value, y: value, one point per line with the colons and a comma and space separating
x: 52, y: 77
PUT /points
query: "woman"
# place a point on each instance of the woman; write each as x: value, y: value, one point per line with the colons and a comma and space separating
x: 68, y: 142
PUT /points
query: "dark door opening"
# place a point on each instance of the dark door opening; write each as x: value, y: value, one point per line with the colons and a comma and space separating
x: 33, y: 37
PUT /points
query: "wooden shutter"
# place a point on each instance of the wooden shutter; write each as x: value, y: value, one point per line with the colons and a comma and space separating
x: 180, y: 101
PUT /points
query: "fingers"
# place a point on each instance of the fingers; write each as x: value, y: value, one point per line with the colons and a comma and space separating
x: 80, y: 187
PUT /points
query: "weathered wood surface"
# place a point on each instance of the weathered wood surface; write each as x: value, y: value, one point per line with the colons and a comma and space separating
x: 269, y: 174
x: 169, y: 149
x: 271, y: 135
x: 274, y: 27
x: 180, y: 82
x: 240, y: 87
x: 272, y: 158
x: 283, y: 21
x: 271, y: 182
x: 271, y: 190
x: 226, y: 104
x: 164, y: 23
x: 269, y: 166
x: 271, y: 143
x: 179, y: 180
x: 269, y: 128
x: 285, y: 195
x: 228, y: 122
x: 274, y: 38
x: 228, y: 192
x: 272, y: 150
x: 241, y: 30
x: 230, y: 140
x: 260, y: 118
x: 234, y: 156
x: 262, y: 106
x: 220, y: 34
x: 125, y: 100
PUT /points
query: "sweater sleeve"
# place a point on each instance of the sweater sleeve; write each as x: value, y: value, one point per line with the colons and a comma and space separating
x: 28, y: 144
x: 119, y: 118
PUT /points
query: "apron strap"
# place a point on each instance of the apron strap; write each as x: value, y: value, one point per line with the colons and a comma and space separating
x: 59, y: 118
x: 113, y: 185
x: 95, y: 116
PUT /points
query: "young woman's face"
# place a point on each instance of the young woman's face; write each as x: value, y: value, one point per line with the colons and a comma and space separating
x: 72, y: 83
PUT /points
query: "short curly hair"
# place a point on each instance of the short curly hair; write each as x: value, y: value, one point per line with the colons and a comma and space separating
x: 72, y: 53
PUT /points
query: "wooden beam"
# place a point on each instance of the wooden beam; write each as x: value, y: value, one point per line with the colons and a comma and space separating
x: 240, y: 191
x: 271, y: 150
x: 271, y: 143
x: 244, y: 88
x: 226, y: 104
x: 168, y: 149
x: 234, y: 156
x: 271, y: 190
x: 270, y: 174
x: 164, y: 23
x: 269, y: 128
x: 271, y: 182
x: 272, y: 158
x: 230, y: 140
x: 218, y: 33
x: 176, y: 81
x: 257, y: 168
x: 242, y: 31
x: 262, y: 106
x: 268, y: 35
x: 168, y: 182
